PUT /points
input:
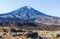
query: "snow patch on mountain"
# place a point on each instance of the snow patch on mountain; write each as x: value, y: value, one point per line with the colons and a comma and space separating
x: 29, y: 7
x: 5, y: 16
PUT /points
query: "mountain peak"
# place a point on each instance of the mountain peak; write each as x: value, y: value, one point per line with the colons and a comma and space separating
x: 27, y: 7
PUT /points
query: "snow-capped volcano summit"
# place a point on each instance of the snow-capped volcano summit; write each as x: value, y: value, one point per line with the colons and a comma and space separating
x: 29, y: 14
x: 25, y: 13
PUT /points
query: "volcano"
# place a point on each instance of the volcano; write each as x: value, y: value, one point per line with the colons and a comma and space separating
x: 27, y: 14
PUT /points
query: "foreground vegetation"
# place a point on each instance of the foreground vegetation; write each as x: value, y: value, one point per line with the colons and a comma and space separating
x: 19, y: 33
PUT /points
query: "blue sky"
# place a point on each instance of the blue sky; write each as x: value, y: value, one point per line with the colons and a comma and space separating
x: 50, y: 7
